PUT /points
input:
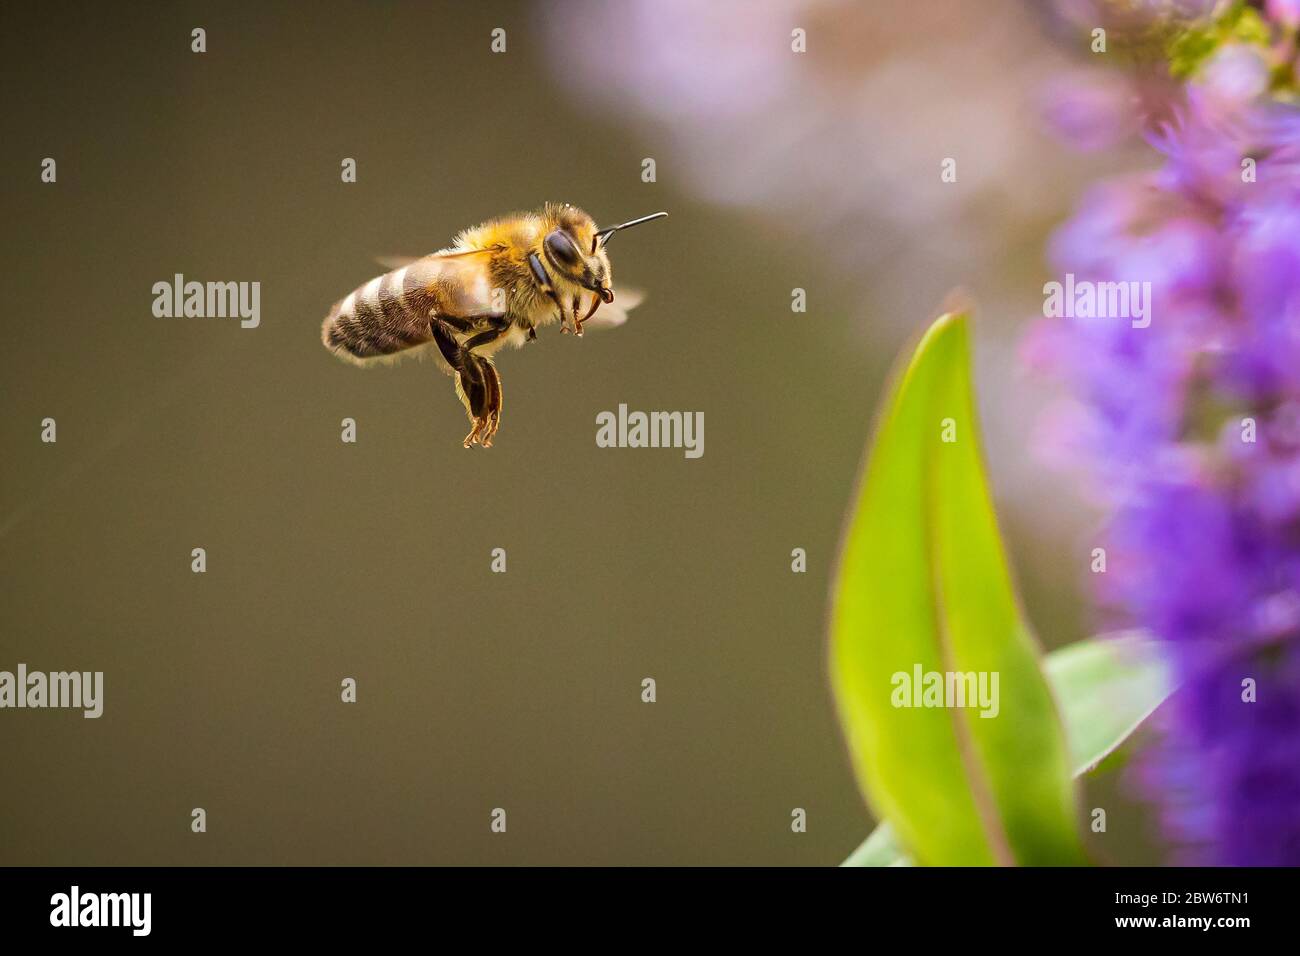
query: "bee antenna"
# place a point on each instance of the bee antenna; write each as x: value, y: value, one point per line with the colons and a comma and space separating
x: 604, y: 235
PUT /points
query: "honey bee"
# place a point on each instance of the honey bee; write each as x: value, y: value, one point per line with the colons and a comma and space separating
x: 496, y: 285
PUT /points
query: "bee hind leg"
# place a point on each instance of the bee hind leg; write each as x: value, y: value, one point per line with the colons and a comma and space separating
x: 471, y: 382
x: 492, y: 406
x: 472, y: 391
x: 487, y: 373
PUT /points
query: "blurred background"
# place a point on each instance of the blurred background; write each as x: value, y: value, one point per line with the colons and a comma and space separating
x: 476, y: 690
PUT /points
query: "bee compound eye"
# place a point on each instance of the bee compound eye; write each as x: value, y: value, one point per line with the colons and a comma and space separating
x: 562, y: 248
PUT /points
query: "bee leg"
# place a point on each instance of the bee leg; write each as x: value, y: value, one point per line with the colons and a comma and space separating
x: 471, y: 386
x: 490, y: 321
x: 451, y: 321
x: 483, y: 338
x: 473, y: 394
x: 544, y: 283
x: 476, y: 321
x: 596, y: 299
x: 491, y: 382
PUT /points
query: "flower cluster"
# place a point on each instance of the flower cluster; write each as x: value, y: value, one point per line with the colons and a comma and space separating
x: 1190, y: 426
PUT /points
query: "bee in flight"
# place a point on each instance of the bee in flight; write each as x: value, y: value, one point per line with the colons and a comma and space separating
x: 496, y: 285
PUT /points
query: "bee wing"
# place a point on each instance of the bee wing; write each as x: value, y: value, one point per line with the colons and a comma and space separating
x: 393, y: 263
x: 615, y: 314
x: 456, y: 283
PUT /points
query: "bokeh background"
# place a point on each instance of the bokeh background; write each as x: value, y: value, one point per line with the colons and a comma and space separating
x: 327, y: 560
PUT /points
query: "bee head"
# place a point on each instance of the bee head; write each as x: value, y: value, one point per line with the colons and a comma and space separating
x: 572, y: 252
x: 574, y: 247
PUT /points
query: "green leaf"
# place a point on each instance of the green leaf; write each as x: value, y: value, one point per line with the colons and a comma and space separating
x: 923, y: 584
x: 1105, y: 687
x: 879, y: 849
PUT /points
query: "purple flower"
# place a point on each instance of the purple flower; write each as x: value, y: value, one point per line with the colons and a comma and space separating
x: 1190, y: 427
x: 1284, y: 11
x: 1091, y: 109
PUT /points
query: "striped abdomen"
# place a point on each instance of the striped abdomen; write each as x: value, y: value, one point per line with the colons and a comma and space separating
x: 388, y: 314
